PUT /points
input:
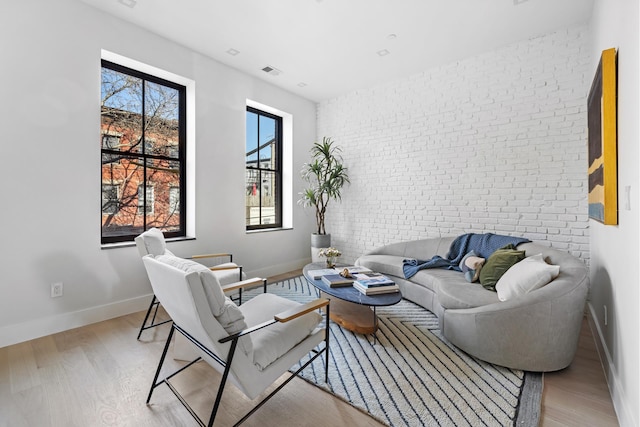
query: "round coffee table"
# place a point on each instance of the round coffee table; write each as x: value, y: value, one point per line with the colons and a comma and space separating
x: 350, y: 308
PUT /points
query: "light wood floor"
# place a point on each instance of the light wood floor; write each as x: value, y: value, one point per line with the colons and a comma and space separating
x: 99, y: 375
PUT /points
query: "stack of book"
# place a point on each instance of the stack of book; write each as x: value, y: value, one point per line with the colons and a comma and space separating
x: 353, y: 269
x: 317, y: 274
x: 336, y: 280
x: 373, y: 284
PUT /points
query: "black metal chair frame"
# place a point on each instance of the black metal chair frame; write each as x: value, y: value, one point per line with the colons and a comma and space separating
x: 227, y: 364
x: 153, y: 307
x: 155, y: 304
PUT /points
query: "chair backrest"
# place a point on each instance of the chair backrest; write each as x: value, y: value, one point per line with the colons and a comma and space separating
x: 151, y: 242
x: 192, y: 296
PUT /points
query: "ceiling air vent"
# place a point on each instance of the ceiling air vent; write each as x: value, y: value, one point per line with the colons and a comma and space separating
x: 271, y: 70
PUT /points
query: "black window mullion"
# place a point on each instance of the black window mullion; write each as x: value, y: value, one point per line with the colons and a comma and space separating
x: 182, y: 157
x: 259, y: 180
x: 143, y: 150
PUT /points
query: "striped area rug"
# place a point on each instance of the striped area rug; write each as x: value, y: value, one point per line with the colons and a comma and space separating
x: 413, y: 377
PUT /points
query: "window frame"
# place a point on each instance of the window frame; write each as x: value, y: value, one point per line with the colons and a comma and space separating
x: 277, y: 171
x: 145, y: 157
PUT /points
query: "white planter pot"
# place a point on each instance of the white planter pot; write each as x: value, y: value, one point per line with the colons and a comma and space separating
x: 319, y: 241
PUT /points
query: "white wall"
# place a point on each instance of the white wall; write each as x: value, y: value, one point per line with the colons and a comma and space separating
x: 50, y: 174
x: 493, y: 143
x: 614, y: 249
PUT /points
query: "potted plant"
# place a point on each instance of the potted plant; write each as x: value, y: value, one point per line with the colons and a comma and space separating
x: 326, y: 176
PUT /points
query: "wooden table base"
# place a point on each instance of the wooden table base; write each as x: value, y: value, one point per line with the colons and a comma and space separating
x: 357, y: 318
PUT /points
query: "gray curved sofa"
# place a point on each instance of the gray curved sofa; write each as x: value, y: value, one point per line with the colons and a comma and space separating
x: 535, y: 332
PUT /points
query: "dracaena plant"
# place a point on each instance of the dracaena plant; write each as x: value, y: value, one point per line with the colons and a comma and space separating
x: 326, y: 176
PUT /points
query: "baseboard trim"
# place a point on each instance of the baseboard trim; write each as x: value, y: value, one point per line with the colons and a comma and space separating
x: 276, y: 269
x: 36, y: 328
x: 610, y: 373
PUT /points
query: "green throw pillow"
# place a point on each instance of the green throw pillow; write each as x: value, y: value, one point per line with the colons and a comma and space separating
x: 498, y: 264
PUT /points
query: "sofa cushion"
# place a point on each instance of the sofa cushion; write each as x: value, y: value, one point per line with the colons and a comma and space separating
x: 528, y: 275
x: 498, y: 264
x: 454, y: 292
x: 430, y: 278
x: 385, y: 264
x: 272, y: 342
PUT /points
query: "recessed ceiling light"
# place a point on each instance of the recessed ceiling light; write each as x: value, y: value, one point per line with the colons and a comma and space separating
x: 233, y: 52
x: 271, y: 70
x: 128, y: 3
x: 517, y: 2
x: 392, y: 36
x: 383, y: 52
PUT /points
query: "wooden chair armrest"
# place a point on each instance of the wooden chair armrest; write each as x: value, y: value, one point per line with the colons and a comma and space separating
x: 296, y: 312
x: 216, y: 268
x: 210, y: 256
x: 243, y: 284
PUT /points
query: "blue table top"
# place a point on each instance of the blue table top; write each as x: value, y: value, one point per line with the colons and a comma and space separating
x: 349, y: 293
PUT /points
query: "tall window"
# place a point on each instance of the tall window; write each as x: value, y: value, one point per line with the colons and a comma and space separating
x: 263, y: 170
x: 143, y: 140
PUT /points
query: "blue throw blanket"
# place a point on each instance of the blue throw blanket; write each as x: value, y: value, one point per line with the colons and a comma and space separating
x: 482, y: 244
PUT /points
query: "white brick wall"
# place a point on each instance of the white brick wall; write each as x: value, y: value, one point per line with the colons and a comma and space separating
x: 493, y: 143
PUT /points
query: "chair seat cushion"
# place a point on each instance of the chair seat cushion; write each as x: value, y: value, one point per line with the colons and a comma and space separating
x: 274, y: 341
x: 228, y: 276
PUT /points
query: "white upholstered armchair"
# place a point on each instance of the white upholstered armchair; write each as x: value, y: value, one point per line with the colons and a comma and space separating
x: 152, y: 242
x: 252, y: 345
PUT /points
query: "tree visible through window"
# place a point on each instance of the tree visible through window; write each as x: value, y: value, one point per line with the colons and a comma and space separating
x: 263, y: 170
x: 143, y: 137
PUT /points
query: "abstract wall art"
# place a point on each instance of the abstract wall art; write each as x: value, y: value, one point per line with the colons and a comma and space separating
x: 602, y: 138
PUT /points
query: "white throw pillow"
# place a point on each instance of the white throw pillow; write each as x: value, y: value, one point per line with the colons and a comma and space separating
x: 231, y: 318
x: 528, y: 275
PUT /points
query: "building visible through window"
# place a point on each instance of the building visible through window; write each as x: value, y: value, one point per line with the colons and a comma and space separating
x: 109, y: 199
x: 145, y: 200
x: 143, y: 144
x: 263, y: 176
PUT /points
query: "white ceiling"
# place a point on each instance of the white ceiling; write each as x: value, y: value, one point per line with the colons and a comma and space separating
x: 331, y: 45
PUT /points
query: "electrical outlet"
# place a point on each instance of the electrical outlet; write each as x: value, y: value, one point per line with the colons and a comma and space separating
x: 57, y: 289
